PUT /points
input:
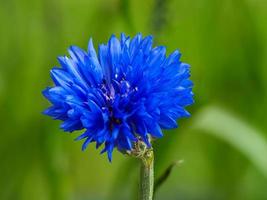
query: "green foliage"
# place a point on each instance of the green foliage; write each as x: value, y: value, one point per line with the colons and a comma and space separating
x: 225, y: 154
x: 227, y: 127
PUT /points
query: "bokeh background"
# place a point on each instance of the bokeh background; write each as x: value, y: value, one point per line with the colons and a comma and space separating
x: 223, y: 144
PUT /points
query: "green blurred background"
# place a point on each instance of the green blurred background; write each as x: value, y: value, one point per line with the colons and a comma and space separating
x: 223, y: 144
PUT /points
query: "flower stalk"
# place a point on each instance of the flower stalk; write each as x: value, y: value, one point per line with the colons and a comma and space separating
x: 147, y: 176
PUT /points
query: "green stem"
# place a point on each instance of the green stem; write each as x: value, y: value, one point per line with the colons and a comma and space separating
x: 147, y: 175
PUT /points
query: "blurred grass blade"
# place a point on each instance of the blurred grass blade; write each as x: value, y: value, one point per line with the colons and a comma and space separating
x: 159, y: 181
x: 125, y: 9
x: 233, y: 130
x: 158, y: 19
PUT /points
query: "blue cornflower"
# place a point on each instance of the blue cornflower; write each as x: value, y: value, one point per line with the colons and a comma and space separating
x: 126, y: 92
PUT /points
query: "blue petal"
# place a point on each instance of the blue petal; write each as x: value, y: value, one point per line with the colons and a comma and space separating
x: 114, y: 51
x: 146, y: 45
x: 134, y: 45
x: 71, y: 125
x: 73, y: 69
x: 173, y: 58
x: 86, y: 142
x: 156, y: 131
x: 91, y: 49
x: 103, y: 57
x: 77, y: 54
x: 109, y: 149
x: 156, y: 56
x: 56, y: 112
x: 167, y: 122
x: 61, y: 77
x: 82, y: 136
